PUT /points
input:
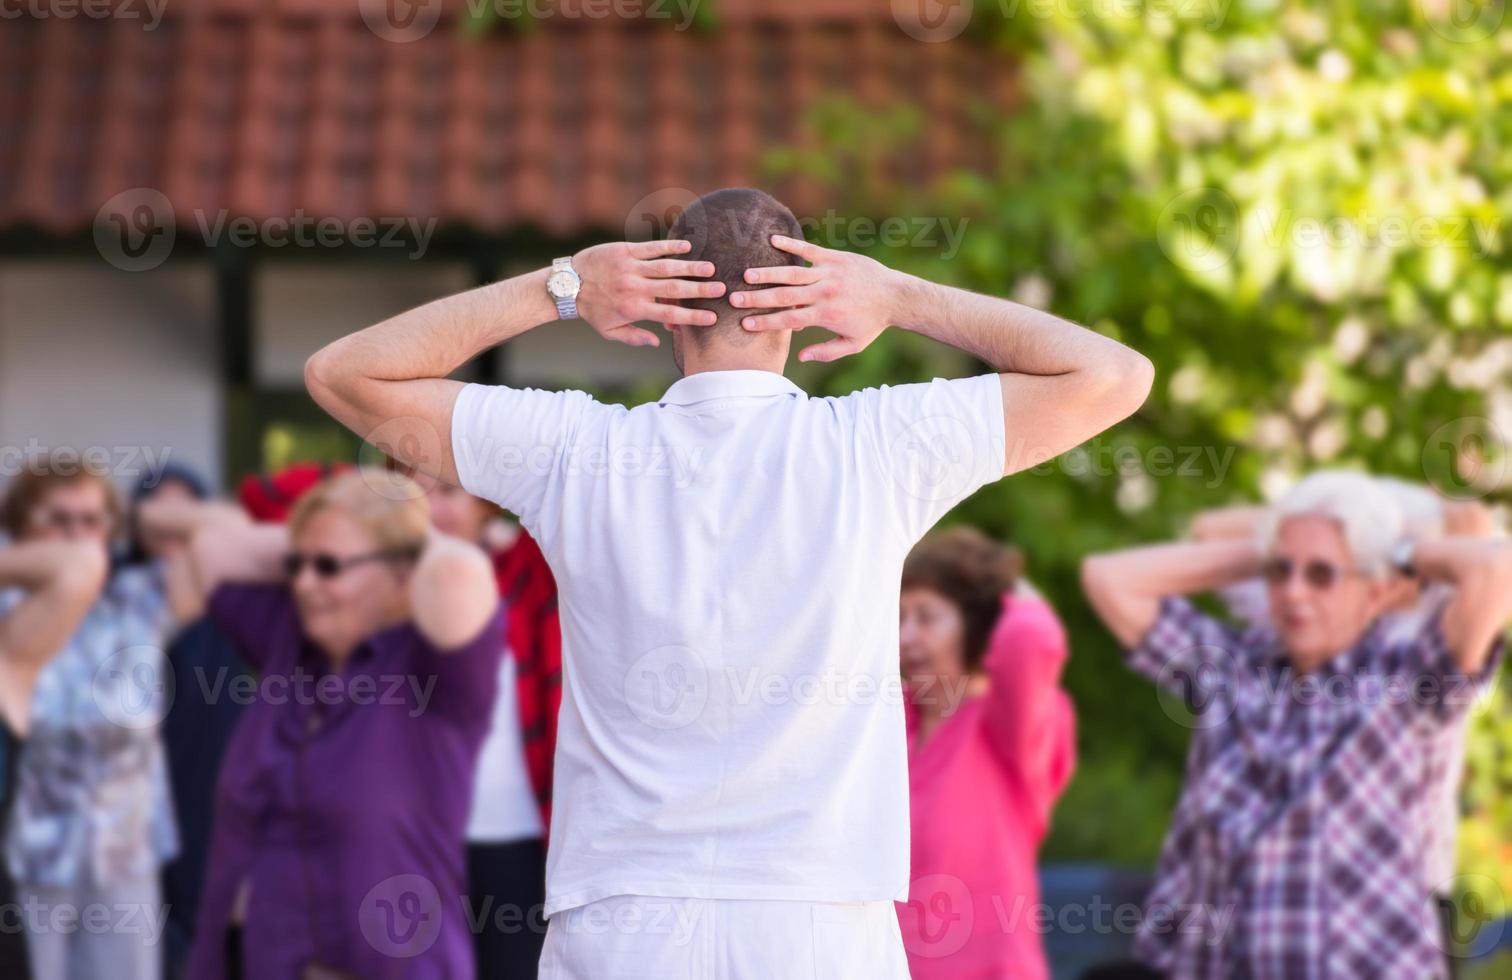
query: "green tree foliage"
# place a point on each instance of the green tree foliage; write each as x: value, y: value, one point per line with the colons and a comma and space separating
x: 1298, y: 212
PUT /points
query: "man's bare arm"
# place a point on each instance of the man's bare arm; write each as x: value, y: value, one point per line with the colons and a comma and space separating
x: 1125, y: 587
x: 389, y: 384
x: 1062, y: 384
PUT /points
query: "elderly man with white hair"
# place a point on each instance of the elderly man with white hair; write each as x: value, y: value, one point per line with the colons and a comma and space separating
x: 1322, y: 737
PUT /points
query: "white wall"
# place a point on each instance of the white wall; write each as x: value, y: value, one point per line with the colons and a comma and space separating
x: 124, y: 362
x: 298, y: 308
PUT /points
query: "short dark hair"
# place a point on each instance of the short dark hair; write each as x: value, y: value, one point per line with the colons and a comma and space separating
x: 733, y: 229
x: 970, y: 570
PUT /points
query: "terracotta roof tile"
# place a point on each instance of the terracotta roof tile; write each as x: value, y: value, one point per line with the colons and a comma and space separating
x: 268, y: 107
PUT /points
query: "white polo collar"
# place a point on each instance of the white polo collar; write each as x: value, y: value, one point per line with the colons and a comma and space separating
x: 744, y: 383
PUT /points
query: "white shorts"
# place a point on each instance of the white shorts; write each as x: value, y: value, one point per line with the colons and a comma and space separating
x: 639, y: 937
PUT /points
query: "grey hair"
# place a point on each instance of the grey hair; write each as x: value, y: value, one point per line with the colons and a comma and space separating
x: 1422, y: 509
x: 1370, y: 519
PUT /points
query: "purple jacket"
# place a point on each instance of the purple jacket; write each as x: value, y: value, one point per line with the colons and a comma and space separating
x: 343, y: 798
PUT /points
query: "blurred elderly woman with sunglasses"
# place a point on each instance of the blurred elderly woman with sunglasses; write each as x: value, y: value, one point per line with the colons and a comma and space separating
x: 92, y: 821
x: 1323, y: 733
x: 338, y: 842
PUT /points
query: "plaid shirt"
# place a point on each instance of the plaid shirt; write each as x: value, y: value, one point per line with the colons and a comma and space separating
x: 534, y: 636
x: 1296, y: 849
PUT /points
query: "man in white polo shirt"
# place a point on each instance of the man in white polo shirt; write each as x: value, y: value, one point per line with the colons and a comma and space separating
x: 731, y: 785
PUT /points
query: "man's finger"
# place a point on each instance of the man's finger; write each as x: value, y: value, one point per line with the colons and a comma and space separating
x: 830, y: 350
x: 655, y: 250
x: 797, y: 246
x: 774, y: 299
x: 792, y: 275
x: 675, y: 269
x: 635, y: 336
x: 669, y: 313
x: 786, y: 320
x: 686, y: 289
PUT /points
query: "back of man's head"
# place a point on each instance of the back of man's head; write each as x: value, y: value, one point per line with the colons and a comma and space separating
x: 733, y: 229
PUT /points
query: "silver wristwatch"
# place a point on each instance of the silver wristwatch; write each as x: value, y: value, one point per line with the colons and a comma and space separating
x: 1404, y: 557
x: 563, y: 284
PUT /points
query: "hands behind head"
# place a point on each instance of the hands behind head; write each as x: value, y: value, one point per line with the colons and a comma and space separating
x: 624, y: 282
x: 852, y: 296
x: 1468, y: 519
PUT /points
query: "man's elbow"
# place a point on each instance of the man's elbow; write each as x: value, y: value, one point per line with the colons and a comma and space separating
x: 323, y: 377
x: 1141, y: 377
x: 1129, y: 382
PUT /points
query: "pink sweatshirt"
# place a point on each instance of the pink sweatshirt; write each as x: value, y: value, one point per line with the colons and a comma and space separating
x: 982, y: 788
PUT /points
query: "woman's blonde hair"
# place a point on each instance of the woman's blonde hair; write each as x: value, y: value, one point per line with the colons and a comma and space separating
x: 389, y: 506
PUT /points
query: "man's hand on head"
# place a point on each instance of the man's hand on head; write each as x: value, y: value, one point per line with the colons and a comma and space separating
x: 626, y: 282
x: 852, y: 296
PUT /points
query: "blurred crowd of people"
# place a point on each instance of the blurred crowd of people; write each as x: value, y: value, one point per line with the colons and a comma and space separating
x: 256, y: 833
x: 154, y: 774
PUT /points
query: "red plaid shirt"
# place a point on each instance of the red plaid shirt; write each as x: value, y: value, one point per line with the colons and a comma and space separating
x: 534, y: 636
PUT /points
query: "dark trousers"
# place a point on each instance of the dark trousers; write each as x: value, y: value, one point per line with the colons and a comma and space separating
x: 507, y: 889
x: 14, y: 961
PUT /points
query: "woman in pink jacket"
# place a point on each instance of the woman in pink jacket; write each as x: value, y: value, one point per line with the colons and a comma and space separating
x: 992, y: 743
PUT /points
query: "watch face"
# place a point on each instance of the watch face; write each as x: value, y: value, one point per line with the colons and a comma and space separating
x: 562, y: 284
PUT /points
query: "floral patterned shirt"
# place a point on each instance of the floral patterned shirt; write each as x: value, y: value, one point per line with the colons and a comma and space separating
x: 92, y: 802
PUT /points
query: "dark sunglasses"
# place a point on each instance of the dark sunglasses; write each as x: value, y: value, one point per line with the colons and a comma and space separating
x: 1317, y: 573
x: 328, y: 566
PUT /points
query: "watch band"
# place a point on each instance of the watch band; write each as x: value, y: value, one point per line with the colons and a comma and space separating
x: 566, y: 306
x: 1404, y: 557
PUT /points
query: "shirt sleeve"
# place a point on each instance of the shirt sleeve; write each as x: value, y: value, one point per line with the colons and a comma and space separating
x: 260, y: 620
x: 1029, y: 718
x: 462, y: 683
x: 1187, y: 653
x: 939, y: 442
x: 510, y: 444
